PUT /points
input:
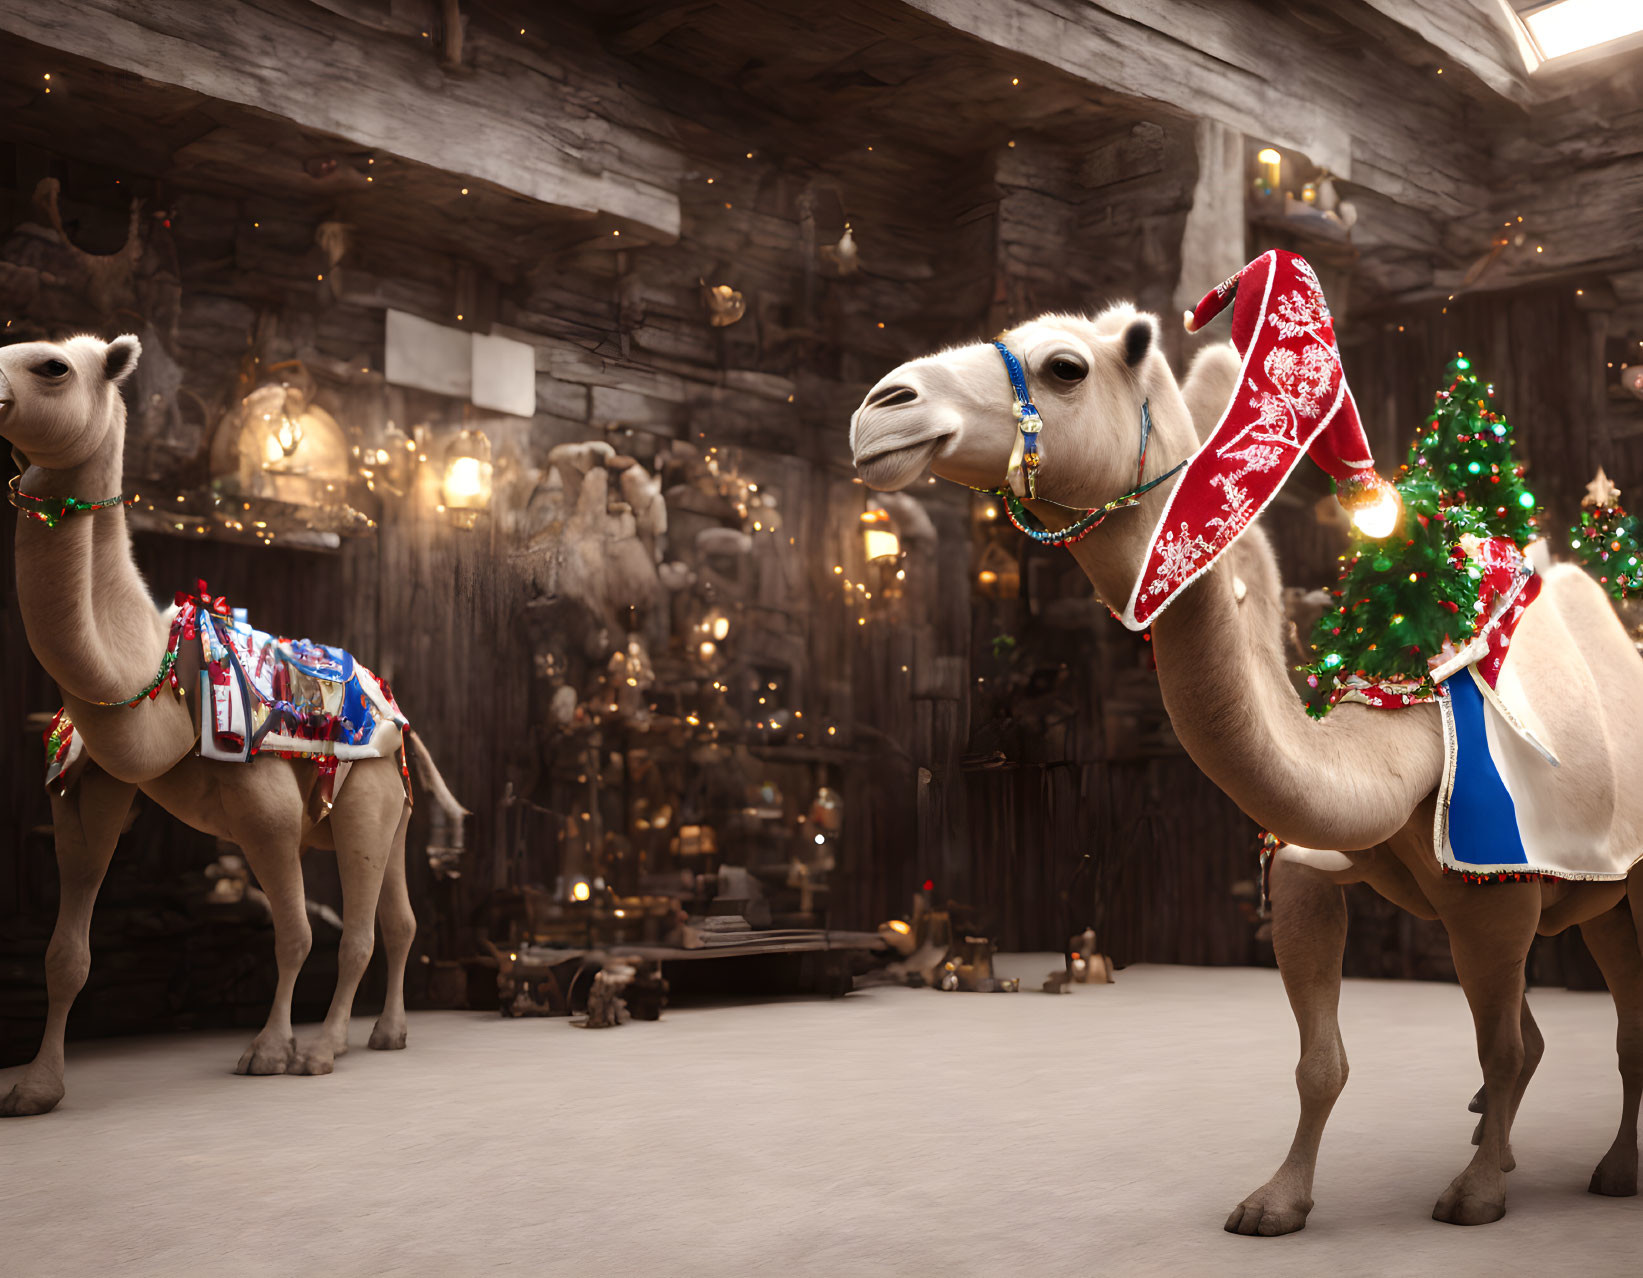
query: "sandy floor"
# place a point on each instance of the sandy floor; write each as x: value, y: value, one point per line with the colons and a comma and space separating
x: 895, y: 1132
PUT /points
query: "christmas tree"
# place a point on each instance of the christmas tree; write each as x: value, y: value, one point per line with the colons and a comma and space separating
x: 1606, y: 539
x: 1400, y: 599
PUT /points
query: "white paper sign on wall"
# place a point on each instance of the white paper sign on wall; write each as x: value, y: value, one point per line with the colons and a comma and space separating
x: 428, y: 356
x: 504, y: 375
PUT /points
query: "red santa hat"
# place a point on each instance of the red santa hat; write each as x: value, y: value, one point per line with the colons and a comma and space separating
x: 1291, y: 398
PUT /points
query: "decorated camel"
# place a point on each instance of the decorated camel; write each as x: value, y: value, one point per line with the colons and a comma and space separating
x: 131, y: 679
x: 1364, y: 782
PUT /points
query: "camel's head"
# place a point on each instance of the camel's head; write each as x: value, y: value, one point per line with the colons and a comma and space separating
x: 59, y: 400
x: 953, y: 412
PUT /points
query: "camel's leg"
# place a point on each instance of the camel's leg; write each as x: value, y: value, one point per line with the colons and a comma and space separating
x: 364, y: 828
x: 1489, y: 937
x: 86, y: 826
x: 272, y: 850
x: 1309, y: 937
x: 1612, y: 939
x: 1534, y: 1047
x: 398, y: 923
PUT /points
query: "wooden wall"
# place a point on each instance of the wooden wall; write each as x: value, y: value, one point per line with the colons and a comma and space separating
x: 987, y: 744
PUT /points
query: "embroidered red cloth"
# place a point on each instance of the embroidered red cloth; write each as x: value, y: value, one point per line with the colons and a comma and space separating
x: 1291, y: 398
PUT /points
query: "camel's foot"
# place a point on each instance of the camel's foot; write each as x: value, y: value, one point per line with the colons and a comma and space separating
x: 1277, y: 1207
x: 269, y: 1053
x: 319, y: 1055
x: 388, y: 1035
x: 1476, y: 1197
x: 1616, y: 1175
x: 37, y: 1092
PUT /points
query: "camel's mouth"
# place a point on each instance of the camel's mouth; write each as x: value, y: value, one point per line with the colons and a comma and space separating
x: 897, y: 467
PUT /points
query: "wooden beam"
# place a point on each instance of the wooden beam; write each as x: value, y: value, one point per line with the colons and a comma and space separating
x: 1374, y: 120
x: 1470, y: 33
x: 1212, y: 246
x: 503, y: 123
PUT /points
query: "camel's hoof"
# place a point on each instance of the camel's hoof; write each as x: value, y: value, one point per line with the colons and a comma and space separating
x: 268, y: 1054
x: 1616, y: 1175
x: 1268, y: 1214
x: 31, y: 1096
x: 318, y: 1059
x: 386, y: 1038
x: 1462, y: 1205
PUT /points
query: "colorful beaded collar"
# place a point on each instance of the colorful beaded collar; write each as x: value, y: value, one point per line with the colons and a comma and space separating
x: 51, y: 511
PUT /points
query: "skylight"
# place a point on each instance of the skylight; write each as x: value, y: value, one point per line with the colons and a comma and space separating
x: 1570, y: 26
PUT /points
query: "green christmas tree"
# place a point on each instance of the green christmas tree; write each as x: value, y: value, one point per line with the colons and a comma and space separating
x: 1467, y: 450
x: 1606, y: 540
x: 1401, y: 598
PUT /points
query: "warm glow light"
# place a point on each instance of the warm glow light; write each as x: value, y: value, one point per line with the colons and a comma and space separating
x: 1572, y: 25
x: 721, y: 627
x: 581, y: 891
x: 1271, y: 165
x: 881, y: 543
x: 467, y: 484
x: 897, y: 925
x: 1379, y: 516
x: 464, y: 481
x: 706, y: 649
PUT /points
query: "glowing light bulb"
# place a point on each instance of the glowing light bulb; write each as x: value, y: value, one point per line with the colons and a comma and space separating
x: 1379, y: 516
x: 581, y: 891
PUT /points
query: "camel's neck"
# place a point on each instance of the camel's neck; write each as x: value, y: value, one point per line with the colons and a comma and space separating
x: 87, y: 611
x: 1345, y: 783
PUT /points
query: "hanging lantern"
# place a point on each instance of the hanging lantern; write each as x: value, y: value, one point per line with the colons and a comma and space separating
x: 467, y: 485
x: 277, y: 445
x: 724, y: 305
x: 879, y: 536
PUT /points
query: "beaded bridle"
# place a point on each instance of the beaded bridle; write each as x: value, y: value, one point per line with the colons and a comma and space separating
x: 1024, y: 466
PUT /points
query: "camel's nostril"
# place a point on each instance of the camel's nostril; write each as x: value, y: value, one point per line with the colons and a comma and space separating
x: 892, y: 396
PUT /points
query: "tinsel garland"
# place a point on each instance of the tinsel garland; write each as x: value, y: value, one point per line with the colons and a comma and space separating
x: 1399, y: 600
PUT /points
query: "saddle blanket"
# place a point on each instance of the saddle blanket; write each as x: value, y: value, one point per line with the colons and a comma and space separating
x: 262, y: 692
x: 1499, y: 785
x: 1497, y: 796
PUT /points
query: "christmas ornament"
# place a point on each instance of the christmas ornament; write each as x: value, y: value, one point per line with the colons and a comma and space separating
x: 1292, y: 398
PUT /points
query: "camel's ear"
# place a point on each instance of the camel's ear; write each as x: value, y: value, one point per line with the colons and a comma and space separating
x: 1138, y: 339
x: 121, y: 360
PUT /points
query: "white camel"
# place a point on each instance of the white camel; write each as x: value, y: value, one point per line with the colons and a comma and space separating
x: 95, y: 629
x: 1363, y: 780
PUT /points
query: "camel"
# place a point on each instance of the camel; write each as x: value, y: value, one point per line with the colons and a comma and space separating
x: 95, y: 629
x: 1360, y: 783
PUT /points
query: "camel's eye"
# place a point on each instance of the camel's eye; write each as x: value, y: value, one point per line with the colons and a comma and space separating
x: 51, y: 369
x: 1067, y: 368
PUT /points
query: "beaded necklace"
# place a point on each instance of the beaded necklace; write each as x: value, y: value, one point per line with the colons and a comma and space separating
x: 51, y: 511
